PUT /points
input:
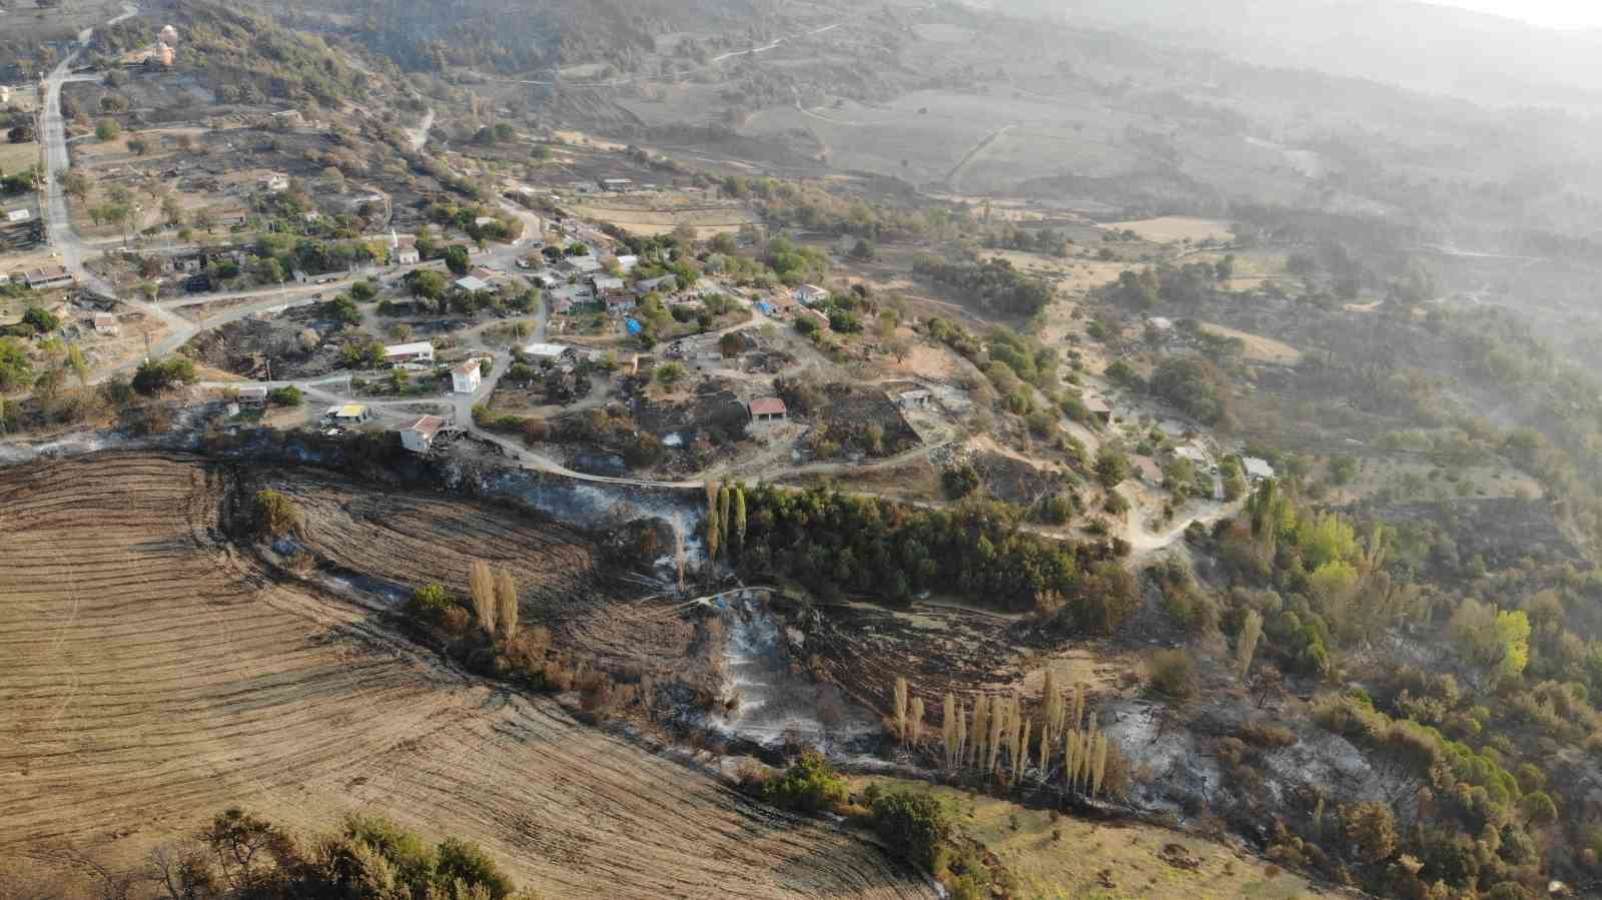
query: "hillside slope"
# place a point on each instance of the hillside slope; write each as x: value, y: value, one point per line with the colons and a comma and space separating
x: 155, y: 676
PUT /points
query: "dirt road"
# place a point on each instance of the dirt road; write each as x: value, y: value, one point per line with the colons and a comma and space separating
x: 155, y: 675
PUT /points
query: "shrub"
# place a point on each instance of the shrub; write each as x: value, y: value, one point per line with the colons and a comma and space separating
x: 42, y: 320
x: 289, y: 395
x: 915, y: 826
x: 277, y: 515
x: 155, y: 376
x: 460, y: 860
x: 809, y: 785
x: 960, y: 481
x: 1172, y: 673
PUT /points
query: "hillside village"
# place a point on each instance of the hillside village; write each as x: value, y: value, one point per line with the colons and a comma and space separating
x: 910, y: 452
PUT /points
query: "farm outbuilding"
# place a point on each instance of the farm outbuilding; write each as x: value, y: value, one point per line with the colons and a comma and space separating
x: 810, y: 295
x: 768, y: 411
x: 418, y: 351
x: 1099, y: 410
x: 348, y: 414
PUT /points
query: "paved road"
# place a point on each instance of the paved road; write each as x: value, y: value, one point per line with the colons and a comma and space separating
x: 64, y: 239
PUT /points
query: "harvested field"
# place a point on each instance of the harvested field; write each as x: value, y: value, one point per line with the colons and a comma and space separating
x: 1170, y: 229
x: 1258, y: 347
x: 16, y: 157
x: 156, y: 674
x: 653, y: 215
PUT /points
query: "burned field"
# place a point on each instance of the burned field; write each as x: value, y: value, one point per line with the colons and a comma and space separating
x: 290, y: 346
x: 154, y: 652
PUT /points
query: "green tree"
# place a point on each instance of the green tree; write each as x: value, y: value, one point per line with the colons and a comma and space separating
x: 270, y: 271
x: 914, y: 826
x: 810, y: 785
x: 76, y: 184
x: 1371, y: 827
x: 15, y: 370
x: 42, y: 320
x: 457, y: 260
x: 428, y: 284
x: 669, y: 375
x: 107, y: 130
x: 1112, y: 466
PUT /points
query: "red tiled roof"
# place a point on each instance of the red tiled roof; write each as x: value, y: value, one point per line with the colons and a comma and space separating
x: 427, y: 426
x: 767, y: 406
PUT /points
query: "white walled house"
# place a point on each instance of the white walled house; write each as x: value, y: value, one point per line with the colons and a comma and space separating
x: 467, y: 377
x: 418, y: 437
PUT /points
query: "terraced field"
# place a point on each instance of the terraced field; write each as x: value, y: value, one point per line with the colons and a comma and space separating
x: 154, y: 674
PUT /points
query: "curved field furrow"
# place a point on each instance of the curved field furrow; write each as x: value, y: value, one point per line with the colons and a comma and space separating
x: 154, y: 675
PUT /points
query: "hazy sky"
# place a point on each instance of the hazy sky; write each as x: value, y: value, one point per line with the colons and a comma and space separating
x: 1556, y: 13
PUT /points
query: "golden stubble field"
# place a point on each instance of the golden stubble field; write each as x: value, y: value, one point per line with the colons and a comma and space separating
x: 155, y: 675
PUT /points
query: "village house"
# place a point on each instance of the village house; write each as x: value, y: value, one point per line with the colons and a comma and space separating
x: 106, y: 324
x: 276, y: 183
x: 661, y: 285
x: 563, y: 299
x: 418, y: 437
x: 255, y: 397
x: 472, y: 284
x: 586, y: 264
x: 628, y: 263
x: 466, y: 377
x: 546, y: 353
x: 48, y: 277
x: 767, y: 411
x: 617, y: 185
x: 810, y: 295
x: 415, y: 352
x: 816, y: 316
x: 1257, y: 469
x: 606, y: 285
x: 620, y: 303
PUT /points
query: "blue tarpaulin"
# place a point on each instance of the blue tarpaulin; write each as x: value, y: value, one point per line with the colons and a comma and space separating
x: 634, y: 326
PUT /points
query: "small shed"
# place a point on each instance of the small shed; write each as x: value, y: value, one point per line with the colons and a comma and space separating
x: 768, y: 411
x: 349, y: 414
x: 915, y: 399
x: 810, y: 295
x: 106, y: 324
x: 1099, y: 410
x: 472, y: 284
x: 253, y: 397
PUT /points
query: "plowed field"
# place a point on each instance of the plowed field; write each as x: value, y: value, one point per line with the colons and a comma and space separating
x: 153, y: 674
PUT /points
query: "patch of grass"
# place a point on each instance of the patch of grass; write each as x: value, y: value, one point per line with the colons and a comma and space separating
x: 1060, y: 856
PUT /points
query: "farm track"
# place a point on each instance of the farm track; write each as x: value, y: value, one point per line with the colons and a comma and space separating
x: 155, y: 675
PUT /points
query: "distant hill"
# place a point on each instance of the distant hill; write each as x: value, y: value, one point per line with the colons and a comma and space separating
x: 1440, y: 49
